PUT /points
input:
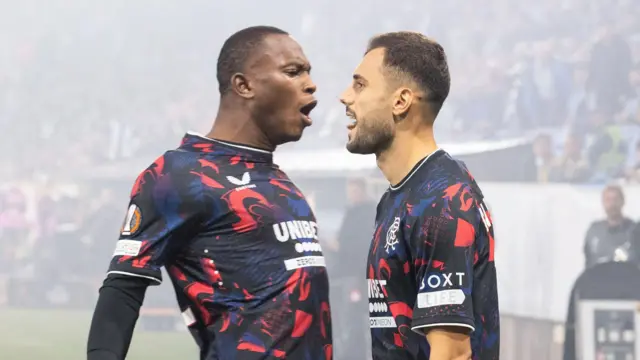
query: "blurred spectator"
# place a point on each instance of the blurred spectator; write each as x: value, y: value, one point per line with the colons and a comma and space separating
x: 631, y: 109
x: 357, y: 226
x: 609, y: 67
x: 354, y: 238
x: 579, y: 102
x: 571, y: 166
x: 608, y: 150
x: 633, y: 172
x: 99, y: 228
x: 611, y: 239
x: 63, y: 252
x: 546, y: 86
x: 15, y: 228
x: 543, y: 157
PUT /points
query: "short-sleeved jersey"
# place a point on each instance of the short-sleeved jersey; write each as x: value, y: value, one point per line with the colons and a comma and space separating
x: 240, y: 244
x: 431, y: 263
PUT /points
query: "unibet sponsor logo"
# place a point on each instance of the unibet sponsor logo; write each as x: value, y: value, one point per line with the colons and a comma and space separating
x: 295, y: 229
x: 376, y: 288
x: 435, y: 281
x: 378, y: 305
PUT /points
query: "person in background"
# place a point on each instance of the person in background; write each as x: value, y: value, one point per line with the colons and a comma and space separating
x: 544, y: 157
x: 579, y: 102
x: 633, y: 172
x: 571, y: 166
x: 353, y: 244
x: 610, y: 63
x: 611, y: 239
x: 15, y: 228
x: 608, y: 150
x: 357, y: 223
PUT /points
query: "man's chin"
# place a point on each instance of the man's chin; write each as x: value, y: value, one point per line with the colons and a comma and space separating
x: 290, y: 137
x: 360, y: 149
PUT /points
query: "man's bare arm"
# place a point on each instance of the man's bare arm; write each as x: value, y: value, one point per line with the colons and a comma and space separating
x: 449, y: 343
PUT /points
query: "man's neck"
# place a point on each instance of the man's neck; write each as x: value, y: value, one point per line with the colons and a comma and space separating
x: 615, y: 220
x: 407, y: 149
x: 234, y: 124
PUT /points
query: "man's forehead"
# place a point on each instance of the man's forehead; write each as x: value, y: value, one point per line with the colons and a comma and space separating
x: 282, y: 49
x: 371, y: 63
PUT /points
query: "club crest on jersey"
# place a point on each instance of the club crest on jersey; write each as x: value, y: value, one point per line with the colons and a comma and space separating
x: 132, y: 221
x: 392, y: 238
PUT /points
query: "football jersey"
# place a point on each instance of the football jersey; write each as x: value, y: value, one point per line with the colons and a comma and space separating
x: 431, y: 263
x: 240, y: 244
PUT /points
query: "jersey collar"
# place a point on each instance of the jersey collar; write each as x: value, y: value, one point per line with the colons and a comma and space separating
x: 415, y: 169
x: 237, y: 152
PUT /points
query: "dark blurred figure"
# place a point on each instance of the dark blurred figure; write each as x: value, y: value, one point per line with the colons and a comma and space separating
x: 357, y: 225
x: 61, y: 256
x: 611, y: 239
x: 97, y: 230
x: 571, y: 166
x: 354, y: 238
x: 609, y: 67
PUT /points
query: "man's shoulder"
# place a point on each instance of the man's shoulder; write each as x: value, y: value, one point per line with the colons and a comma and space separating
x: 178, y: 170
x: 444, y: 172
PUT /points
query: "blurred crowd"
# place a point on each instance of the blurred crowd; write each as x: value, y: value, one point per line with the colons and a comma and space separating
x: 97, y: 84
x: 52, y: 240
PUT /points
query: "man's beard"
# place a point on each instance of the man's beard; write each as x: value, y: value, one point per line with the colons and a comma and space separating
x: 372, y: 137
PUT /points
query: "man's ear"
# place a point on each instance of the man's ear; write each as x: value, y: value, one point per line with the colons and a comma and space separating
x: 241, y: 85
x: 403, y: 98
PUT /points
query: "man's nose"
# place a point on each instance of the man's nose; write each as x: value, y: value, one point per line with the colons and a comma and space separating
x: 310, y: 87
x: 344, y: 98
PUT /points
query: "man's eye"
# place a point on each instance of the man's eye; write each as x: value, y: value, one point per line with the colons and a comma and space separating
x: 357, y: 85
x: 292, y: 72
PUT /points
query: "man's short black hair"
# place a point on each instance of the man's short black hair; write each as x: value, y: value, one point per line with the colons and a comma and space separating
x: 419, y: 58
x: 237, y: 50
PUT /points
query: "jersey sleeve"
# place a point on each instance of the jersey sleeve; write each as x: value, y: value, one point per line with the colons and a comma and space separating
x: 164, y: 213
x: 443, y: 248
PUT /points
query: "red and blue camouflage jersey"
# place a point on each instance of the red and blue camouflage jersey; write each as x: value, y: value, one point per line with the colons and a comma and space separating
x: 240, y: 244
x: 431, y: 263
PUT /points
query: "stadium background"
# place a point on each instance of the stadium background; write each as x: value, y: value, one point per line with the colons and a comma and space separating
x: 91, y: 92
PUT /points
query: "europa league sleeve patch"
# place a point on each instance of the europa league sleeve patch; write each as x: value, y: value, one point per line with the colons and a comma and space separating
x: 132, y: 221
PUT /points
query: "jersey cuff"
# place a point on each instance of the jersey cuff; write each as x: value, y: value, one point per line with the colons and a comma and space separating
x: 155, y: 280
x: 420, y: 325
